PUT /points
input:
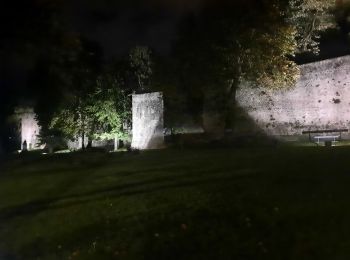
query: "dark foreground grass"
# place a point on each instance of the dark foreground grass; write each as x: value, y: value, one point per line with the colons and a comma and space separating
x: 274, y: 203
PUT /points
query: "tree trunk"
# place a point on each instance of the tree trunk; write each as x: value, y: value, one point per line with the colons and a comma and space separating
x: 83, y: 141
x: 219, y: 111
x: 140, y: 83
x: 82, y: 125
x: 214, y: 116
x: 116, y: 142
x: 231, y: 114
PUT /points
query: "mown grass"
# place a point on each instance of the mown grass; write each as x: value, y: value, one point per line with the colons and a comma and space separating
x: 249, y: 203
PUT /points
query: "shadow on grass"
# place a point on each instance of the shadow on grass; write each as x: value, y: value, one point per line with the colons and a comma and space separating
x: 299, y: 182
x: 149, y: 236
x: 128, y: 189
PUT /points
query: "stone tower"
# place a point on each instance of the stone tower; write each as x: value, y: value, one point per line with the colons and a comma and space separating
x: 29, y: 128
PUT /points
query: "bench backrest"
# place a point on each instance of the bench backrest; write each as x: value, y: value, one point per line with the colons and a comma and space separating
x: 325, y: 131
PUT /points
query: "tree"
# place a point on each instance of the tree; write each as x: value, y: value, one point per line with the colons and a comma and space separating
x: 110, y: 109
x: 232, y: 45
x: 141, y: 66
x: 73, y: 119
x: 75, y: 69
x: 311, y: 18
x: 229, y: 45
x: 101, y: 113
x: 36, y: 33
x: 343, y: 17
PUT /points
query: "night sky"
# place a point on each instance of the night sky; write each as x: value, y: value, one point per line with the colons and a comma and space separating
x: 114, y: 25
x: 118, y: 27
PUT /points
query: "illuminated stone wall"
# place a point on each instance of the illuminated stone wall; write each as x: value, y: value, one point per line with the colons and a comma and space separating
x: 29, y: 128
x: 147, y: 121
x: 320, y: 100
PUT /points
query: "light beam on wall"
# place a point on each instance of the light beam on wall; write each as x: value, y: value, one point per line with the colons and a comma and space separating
x: 147, y: 121
x: 320, y: 100
x: 29, y: 128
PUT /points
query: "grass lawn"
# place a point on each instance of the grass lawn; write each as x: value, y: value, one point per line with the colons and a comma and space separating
x: 251, y: 203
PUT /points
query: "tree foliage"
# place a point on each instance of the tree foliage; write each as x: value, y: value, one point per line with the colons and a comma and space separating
x: 111, y: 109
x: 141, y: 63
x: 101, y: 113
x: 238, y: 44
x: 311, y: 18
x: 74, y: 119
x: 233, y: 45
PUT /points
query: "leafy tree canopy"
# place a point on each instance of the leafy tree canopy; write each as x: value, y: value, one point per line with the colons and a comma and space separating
x: 229, y: 44
x: 111, y: 109
x: 102, y: 112
x: 311, y: 18
x: 141, y: 64
x: 239, y: 43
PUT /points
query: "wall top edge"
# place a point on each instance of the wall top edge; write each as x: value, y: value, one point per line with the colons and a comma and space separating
x: 326, y: 61
x: 146, y: 95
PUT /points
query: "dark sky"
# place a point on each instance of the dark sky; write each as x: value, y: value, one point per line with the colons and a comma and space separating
x: 119, y: 26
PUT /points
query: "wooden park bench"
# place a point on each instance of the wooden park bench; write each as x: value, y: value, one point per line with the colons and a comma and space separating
x: 329, y: 136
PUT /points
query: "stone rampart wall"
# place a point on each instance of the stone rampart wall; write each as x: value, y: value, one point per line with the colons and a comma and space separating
x: 320, y: 100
